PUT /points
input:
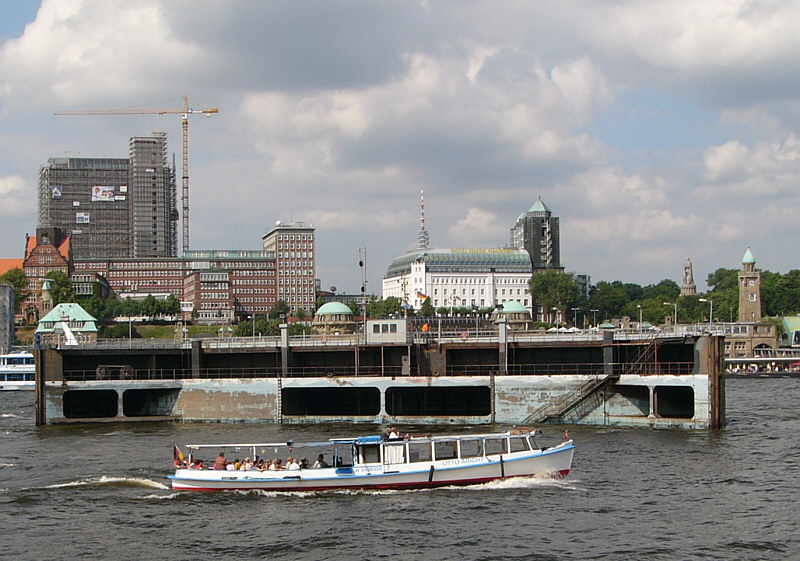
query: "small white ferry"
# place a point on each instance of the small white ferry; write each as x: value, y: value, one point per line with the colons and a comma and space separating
x: 17, y: 371
x: 375, y: 462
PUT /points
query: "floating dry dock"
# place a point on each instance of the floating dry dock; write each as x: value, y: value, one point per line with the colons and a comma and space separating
x: 392, y: 376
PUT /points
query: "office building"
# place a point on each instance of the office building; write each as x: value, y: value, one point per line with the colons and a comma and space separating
x: 537, y: 232
x: 293, y: 245
x: 113, y: 207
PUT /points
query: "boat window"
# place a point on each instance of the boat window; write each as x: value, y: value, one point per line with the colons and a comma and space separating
x: 445, y: 449
x: 419, y: 451
x: 495, y: 446
x: 518, y: 443
x: 395, y: 452
x: 471, y: 448
x: 370, y: 455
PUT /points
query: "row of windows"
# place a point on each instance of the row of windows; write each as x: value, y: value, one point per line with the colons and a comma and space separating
x: 295, y: 237
x: 253, y: 291
x: 472, y: 302
x: 478, y: 280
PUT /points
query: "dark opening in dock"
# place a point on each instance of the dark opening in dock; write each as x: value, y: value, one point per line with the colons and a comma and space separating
x: 674, y: 401
x: 462, y: 400
x: 85, y: 404
x: 149, y: 403
x: 334, y: 402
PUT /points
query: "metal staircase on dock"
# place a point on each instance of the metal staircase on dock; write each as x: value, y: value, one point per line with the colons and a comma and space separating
x: 554, y: 411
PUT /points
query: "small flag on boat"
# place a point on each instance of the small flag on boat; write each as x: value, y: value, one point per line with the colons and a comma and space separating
x: 566, y: 435
x: 176, y: 453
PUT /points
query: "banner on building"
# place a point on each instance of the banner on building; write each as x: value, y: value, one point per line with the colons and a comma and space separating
x: 102, y: 193
x: 56, y: 191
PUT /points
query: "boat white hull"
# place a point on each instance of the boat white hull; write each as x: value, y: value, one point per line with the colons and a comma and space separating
x: 553, y: 462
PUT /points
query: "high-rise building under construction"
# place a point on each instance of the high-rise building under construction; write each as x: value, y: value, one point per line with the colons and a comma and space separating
x: 113, y: 207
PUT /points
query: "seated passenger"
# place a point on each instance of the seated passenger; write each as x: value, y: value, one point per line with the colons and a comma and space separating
x: 247, y: 465
x: 276, y: 465
x: 304, y: 463
x: 291, y: 463
x: 230, y: 467
x: 237, y: 464
x: 321, y: 463
x: 220, y: 462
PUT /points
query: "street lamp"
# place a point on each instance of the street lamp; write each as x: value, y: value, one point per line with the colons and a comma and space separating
x: 594, y: 317
x: 675, y: 317
x: 711, y: 310
x: 575, y: 316
x: 640, y: 318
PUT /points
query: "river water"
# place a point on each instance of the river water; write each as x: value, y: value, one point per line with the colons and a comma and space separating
x: 101, y: 492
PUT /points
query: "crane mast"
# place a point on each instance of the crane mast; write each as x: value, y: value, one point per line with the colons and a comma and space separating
x: 184, y: 112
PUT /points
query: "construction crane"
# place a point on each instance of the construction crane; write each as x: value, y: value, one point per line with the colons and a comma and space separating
x: 184, y: 112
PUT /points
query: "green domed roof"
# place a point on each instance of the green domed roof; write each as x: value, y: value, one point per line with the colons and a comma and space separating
x: 748, y: 256
x: 333, y: 308
x: 513, y: 307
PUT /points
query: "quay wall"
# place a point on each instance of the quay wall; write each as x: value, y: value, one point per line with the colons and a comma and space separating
x: 615, y: 388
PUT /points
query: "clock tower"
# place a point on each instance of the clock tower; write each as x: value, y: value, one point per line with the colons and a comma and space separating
x: 749, y: 290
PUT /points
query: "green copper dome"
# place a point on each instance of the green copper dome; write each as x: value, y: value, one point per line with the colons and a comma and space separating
x: 332, y: 308
x: 748, y: 256
x: 512, y: 307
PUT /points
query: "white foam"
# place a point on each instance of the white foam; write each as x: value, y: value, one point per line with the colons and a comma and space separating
x: 108, y: 480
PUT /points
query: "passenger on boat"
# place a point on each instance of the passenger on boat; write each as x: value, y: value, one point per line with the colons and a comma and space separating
x: 229, y: 467
x: 247, y: 465
x: 196, y: 464
x: 276, y: 465
x: 181, y: 463
x: 393, y: 434
x: 291, y: 463
x: 304, y: 463
x: 237, y: 464
x: 220, y: 462
x: 321, y: 463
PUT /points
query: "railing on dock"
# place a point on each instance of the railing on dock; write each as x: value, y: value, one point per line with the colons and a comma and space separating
x: 575, y: 369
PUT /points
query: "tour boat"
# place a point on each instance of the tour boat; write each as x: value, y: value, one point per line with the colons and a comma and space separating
x: 17, y: 371
x: 378, y: 462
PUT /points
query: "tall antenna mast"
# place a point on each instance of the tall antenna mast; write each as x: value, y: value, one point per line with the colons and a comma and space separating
x: 422, y: 235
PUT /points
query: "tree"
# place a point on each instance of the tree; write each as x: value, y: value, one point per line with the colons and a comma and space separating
x: 60, y: 287
x: 608, y: 298
x: 554, y: 289
x: 383, y: 308
x: 722, y: 279
x: 149, y: 306
x: 426, y: 310
x: 19, y: 282
x: 666, y: 291
x: 280, y: 308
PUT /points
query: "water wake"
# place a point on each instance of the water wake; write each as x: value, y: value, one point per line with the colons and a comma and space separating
x: 109, y: 480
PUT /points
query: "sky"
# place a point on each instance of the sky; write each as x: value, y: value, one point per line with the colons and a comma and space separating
x: 655, y: 130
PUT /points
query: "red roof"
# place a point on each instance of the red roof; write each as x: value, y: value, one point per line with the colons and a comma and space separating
x: 7, y: 264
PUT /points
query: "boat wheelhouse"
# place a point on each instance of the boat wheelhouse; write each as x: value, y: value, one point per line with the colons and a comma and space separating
x: 17, y: 371
x: 374, y: 462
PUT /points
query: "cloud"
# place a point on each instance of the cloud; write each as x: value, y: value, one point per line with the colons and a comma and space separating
x: 337, y: 113
x: 16, y: 196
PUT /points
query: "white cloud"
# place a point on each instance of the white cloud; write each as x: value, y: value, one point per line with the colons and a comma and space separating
x: 338, y: 114
x: 16, y: 196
